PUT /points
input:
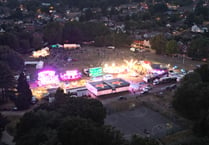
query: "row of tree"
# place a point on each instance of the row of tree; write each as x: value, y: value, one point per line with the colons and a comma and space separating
x: 10, y: 62
x: 197, y: 48
x: 199, y: 15
x: 163, y: 46
x: 72, y: 32
x: 20, y: 95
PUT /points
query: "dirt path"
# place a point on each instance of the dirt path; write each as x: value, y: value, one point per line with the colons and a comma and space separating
x: 7, y: 139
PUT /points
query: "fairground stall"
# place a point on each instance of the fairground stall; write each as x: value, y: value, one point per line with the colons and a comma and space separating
x: 111, y: 86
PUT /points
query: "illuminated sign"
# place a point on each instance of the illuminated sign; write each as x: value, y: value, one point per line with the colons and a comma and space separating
x: 101, y: 85
x: 70, y: 75
x: 95, y: 72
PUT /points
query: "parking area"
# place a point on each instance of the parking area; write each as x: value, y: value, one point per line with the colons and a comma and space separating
x: 142, y: 121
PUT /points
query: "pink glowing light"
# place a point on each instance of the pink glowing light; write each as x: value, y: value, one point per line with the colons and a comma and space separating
x: 47, y: 77
x: 70, y: 75
x: 158, y: 71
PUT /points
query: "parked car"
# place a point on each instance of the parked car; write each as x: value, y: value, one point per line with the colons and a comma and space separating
x: 122, y: 98
x: 15, y: 109
x: 111, y: 47
x: 144, y: 91
x: 34, y: 100
x: 148, y: 87
x: 108, y: 77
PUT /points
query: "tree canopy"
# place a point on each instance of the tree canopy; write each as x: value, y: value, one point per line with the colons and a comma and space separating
x: 74, y: 121
x: 199, y: 48
x: 10, y: 57
x: 24, y: 97
x: 7, y: 81
x: 77, y: 121
x: 3, y: 122
x: 192, y: 99
x: 137, y: 140
x: 158, y: 43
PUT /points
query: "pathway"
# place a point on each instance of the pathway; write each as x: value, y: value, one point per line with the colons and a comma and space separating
x: 7, y: 139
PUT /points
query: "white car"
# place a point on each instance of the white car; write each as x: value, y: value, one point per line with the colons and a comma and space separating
x: 148, y: 87
x: 144, y: 91
x: 156, y: 82
x: 107, y: 77
x: 111, y: 47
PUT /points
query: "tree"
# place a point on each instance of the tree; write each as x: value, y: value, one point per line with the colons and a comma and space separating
x: 7, y: 38
x: 91, y: 30
x: 24, y: 96
x: 78, y: 131
x: 88, y: 15
x: 201, y: 126
x: 200, y: 10
x: 53, y: 33
x: 25, y: 46
x: 197, y: 141
x: 13, y: 4
x: 192, y: 96
x: 17, y: 14
x: 171, y: 47
x: 203, y: 71
x: 3, y: 122
x: 158, y: 8
x: 72, y: 32
x: 37, y: 41
x: 32, y: 5
x: 10, y: 57
x: 75, y: 122
x: 60, y: 96
x: 85, y: 108
x: 6, y: 81
x: 38, y: 127
x: 158, y: 43
x: 199, y: 48
x: 25, y: 41
x: 137, y: 140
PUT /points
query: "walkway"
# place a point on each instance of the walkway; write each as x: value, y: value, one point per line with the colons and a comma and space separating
x: 7, y: 139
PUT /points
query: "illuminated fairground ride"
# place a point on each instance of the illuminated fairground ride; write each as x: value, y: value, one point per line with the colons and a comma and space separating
x: 70, y: 75
x: 41, y: 53
x: 130, y: 67
x: 39, y: 92
x: 47, y: 77
x: 50, y: 77
x: 114, y: 69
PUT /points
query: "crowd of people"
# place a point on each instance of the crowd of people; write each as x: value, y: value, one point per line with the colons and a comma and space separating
x: 84, y: 57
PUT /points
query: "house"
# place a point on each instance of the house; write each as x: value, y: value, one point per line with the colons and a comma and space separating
x: 2, y: 30
x: 197, y: 29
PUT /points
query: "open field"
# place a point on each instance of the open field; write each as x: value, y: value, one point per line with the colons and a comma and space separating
x: 89, y: 56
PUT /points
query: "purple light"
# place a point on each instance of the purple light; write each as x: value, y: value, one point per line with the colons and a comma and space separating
x: 47, y: 77
x: 158, y: 71
x: 70, y: 75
